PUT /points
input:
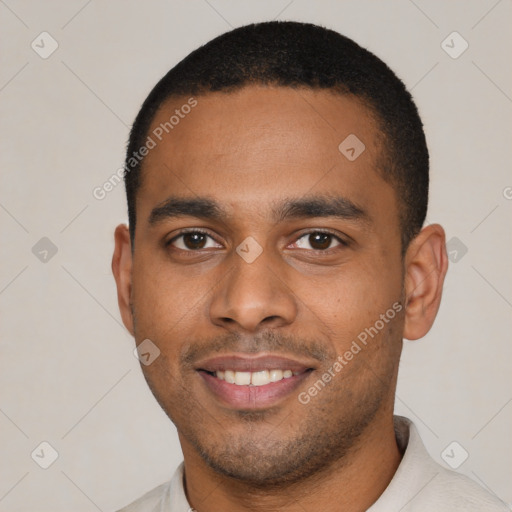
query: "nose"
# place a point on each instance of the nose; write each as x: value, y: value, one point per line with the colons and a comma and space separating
x: 253, y: 296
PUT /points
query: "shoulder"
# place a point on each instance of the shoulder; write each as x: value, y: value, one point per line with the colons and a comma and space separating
x: 164, y: 498
x: 452, y: 491
x: 420, y: 484
x: 151, y: 501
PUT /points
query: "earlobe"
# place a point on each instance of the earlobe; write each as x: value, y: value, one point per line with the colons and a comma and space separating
x: 122, y: 270
x: 426, y: 264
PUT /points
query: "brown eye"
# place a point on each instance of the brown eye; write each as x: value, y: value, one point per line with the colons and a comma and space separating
x: 318, y: 241
x: 193, y: 241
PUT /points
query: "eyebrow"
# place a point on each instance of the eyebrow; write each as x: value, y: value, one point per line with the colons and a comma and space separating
x: 201, y: 207
x: 321, y: 206
x: 287, y: 209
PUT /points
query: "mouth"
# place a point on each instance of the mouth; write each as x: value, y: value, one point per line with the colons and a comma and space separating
x: 261, y: 378
x: 243, y: 382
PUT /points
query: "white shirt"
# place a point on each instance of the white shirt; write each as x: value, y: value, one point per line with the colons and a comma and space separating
x: 419, y: 485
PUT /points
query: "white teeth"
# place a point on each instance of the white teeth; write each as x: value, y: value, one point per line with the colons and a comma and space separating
x: 276, y: 375
x: 254, y: 378
x: 229, y: 376
x: 242, y: 378
x: 260, y: 378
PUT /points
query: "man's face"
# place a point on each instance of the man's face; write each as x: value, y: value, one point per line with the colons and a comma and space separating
x: 298, y: 256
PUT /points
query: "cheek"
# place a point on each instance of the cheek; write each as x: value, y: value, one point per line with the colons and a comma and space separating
x: 161, y: 298
x: 350, y: 301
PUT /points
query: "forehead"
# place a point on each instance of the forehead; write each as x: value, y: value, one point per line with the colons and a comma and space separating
x: 252, y: 146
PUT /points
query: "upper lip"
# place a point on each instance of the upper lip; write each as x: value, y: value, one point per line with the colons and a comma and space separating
x: 252, y: 363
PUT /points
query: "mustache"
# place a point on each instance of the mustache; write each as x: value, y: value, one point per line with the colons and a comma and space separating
x: 268, y: 341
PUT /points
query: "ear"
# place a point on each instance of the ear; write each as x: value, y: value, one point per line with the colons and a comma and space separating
x: 426, y: 264
x: 122, y: 270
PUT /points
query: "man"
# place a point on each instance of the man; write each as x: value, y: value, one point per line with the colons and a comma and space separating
x: 277, y: 185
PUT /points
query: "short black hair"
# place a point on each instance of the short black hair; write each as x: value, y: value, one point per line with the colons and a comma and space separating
x: 302, y: 55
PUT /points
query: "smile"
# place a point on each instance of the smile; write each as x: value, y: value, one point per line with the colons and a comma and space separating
x: 260, y: 378
x: 242, y: 381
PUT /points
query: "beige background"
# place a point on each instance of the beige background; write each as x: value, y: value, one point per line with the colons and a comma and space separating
x: 68, y: 375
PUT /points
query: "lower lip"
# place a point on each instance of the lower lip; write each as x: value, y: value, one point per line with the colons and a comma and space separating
x: 252, y: 397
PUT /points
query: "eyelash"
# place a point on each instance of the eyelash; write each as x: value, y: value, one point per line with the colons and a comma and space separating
x: 186, y: 232
x: 342, y: 242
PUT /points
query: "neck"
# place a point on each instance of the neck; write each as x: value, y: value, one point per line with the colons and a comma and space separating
x: 352, y: 484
